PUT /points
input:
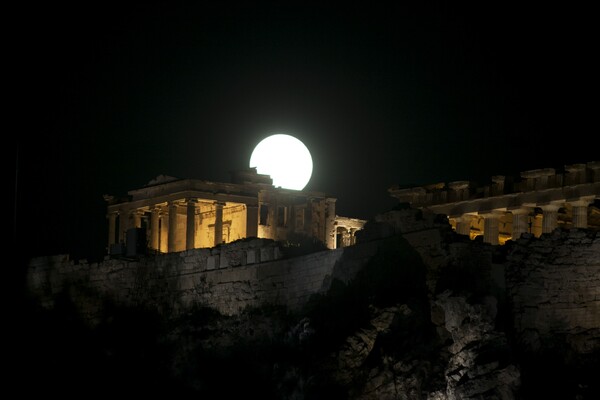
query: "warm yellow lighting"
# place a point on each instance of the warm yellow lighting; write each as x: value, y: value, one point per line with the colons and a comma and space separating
x: 285, y: 158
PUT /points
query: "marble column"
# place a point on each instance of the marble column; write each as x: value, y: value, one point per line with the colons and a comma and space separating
x: 463, y: 224
x: 498, y: 185
x: 155, y: 229
x: 491, y: 227
x: 172, y: 240
x: 218, y: 223
x: 136, y: 217
x: 163, y: 241
x: 580, y: 211
x: 330, y: 223
x: 593, y: 171
x: 459, y: 190
x: 352, y: 233
x: 549, y: 217
x: 190, y: 225
x: 520, y: 222
x: 575, y: 174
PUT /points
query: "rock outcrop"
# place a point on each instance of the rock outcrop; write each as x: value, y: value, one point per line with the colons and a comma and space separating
x: 417, y: 312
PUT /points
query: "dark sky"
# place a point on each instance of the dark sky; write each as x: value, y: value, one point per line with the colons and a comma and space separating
x: 398, y: 94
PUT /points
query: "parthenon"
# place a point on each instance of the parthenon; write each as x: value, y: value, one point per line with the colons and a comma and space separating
x: 537, y: 202
x: 170, y: 214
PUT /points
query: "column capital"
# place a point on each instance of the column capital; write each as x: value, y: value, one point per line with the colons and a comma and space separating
x: 492, y: 214
x: 575, y: 167
x: 551, y: 206
x: 464, y: 217
x: 459, y: 185
x: 520, y: 210
x: 582, y: 201
x: 538, y: 173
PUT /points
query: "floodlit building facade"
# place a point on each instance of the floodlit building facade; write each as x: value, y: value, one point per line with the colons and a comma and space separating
x: 169, y: 215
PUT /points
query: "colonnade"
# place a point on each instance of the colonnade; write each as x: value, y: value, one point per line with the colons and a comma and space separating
x: 345, y: 230
x: 167, y: 232
x: 537, y: 202
x: 521, y: 219
x: 172, y: 214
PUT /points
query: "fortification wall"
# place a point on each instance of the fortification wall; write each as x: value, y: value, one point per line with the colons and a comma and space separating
x: 553, y: 285
x: 228, y: 278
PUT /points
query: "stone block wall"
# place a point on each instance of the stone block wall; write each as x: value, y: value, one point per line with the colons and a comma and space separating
x: 228, y: 278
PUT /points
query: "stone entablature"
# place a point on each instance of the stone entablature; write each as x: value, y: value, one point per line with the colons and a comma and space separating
x: 538, y: 203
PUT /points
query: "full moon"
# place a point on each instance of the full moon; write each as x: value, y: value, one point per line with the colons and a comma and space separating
x: 285, y: 158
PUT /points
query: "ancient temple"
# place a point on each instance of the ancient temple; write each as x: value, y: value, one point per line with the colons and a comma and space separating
x: 537, y: 202
x: 169, y: 215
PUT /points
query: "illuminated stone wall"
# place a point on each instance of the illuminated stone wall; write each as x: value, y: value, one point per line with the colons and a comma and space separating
x: 228, y: 278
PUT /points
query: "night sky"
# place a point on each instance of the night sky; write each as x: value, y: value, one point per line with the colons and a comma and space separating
x: 381, y: 95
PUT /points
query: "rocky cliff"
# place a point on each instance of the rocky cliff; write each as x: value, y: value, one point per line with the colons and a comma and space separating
x: 429, y: 315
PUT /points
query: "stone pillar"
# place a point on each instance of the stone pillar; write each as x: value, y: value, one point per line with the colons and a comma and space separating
x: 172, y: 240
x: 190, y: 225
x: 580, y: 211
x: 251, y: 220
x: 593, y: 169
x: 112, y: 226
x: 218, y: 223
x: 163, y: 241
x: 123, y: 225
x: 549, y: 217
x: 352, y: 233
x: 136, y: 217
x: 463, y: 224
x: 580, y: 216
x: 498, y: 185
x: 330, y: 223
x: 490, y: 227
x: 154, y: 228
x: 346, y: 237
x: 520, y: 222
x: 537, y: 179
x: 575, y: 174
x: 459, y: 190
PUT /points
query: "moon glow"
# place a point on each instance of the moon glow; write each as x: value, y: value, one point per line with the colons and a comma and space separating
x: 285, y: 158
